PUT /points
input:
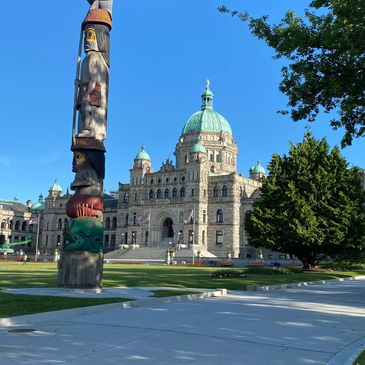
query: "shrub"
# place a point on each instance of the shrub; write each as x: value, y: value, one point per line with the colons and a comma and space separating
x: 344, y: 265
x: 268, y: 270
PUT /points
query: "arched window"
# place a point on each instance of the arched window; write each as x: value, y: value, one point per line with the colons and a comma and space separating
x: 65, y: 222
x: 60, y: 223
x: 219, y: 216
x: 182, y: 192
x: 152, y: 181
x: 17, y: 225
x: 224, y: 191
x: 126, y: 219
x: 167, y: 193
x: 215, y: 191
x: 3, y: 225
x: 126, y: 198
x: 174, y: 193
x: 135, y: 196
x: 159, y: 194
x: 134, y: 219
x: 151, y: 194
x: 107, y: 223
x: 114, y: 222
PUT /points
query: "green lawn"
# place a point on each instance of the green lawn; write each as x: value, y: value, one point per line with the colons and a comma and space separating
x: 16, y: 275
x: 360, y: 360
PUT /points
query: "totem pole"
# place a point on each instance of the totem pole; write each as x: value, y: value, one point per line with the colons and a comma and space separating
x: 81, y: 263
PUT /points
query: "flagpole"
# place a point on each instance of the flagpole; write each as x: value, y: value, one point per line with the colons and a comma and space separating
x: 148, y: 239
x: 36, y: 245
x: 193, y: 231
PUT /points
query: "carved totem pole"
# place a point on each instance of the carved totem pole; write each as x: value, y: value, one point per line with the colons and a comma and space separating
x: 81, y: 264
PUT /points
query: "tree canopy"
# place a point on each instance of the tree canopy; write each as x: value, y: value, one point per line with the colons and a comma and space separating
x: 326, y: 54
x: 311, y: 204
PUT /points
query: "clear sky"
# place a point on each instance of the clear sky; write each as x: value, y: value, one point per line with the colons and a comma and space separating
x: 162, y: 52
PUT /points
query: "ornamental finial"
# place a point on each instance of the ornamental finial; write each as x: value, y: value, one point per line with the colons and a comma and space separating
x: 207, y: 83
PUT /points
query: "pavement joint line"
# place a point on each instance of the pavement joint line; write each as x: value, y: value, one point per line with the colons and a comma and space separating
x: 23, y: 320
x: 300, y: 284
x: 348, y: 354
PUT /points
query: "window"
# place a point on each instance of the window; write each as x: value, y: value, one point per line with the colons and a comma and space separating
x: 135, y: 196
x: 167, y: 179
x: 107, y: 223
x: 126, y: 198
x: 114, y: 222
x: 134, y: 219
x: 215, y: 191
x: 224, y: 191
x: 65, y: 222
x: 183, y: 178
x: 219, y: 216
x: 159, y: 194
x: 3, y: 225
x: 192, y: 192
x: 218, y: 158
x: 151, y: 194
x: 30, y: 228
x: 174, y: 193
x: 24, y: 226
x: 175, y: 179
x: 11, y: 225
x: 58, y: 239
x: 182, y: 192
x: 212, y: 157
x: 204, y: 216
x: 152, y: 181
x: 181, y: 217
x: 167, y: 193
x: 106, y: 240
x: 219, y: 237
x: 126, y: 219
x: 203, y: 237
x: 112, y: 242
x: 17, y: 225
x: 205, y: 193
x: 186, y: 159
x: 159, y: 181
x: 59, y: 224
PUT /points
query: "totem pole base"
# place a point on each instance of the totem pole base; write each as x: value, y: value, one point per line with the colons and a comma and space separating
x: 80, y: 269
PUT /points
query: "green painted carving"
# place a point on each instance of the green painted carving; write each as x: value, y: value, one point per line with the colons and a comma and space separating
x: 84, y: 234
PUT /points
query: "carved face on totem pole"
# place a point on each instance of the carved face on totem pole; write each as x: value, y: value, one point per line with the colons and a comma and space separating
x: 90, y: 40
x: 80, y: 161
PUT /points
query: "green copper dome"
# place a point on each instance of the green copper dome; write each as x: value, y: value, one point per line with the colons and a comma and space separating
x: 207, y: 120
x: 258, y: 169
x: 55, y: 187
x: 198, y: 147
x: 39, y: 205
x: 143, y: 155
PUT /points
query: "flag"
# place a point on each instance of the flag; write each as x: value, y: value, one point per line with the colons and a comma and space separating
x: 189, y: 216
x: 33, y: 220
x: 144, y: 218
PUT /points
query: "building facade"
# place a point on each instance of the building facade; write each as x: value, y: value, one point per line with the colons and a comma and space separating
x: 200, y: 201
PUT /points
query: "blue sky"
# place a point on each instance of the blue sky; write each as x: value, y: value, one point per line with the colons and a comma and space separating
x: 162, y: 52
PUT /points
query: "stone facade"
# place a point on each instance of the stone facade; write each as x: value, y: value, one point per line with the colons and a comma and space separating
x: 16, y: 223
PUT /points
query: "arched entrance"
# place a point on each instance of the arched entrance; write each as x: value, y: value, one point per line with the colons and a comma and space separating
x: 167, y: 229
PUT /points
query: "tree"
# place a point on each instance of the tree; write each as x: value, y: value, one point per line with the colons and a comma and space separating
x: 311, y: 204
x: 326, y: 53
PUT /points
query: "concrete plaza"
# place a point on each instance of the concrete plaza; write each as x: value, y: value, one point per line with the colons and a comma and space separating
x: 319, y: 324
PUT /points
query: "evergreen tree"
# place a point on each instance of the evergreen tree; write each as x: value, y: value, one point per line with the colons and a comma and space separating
x: 311, y: 204
x: 326, y: 54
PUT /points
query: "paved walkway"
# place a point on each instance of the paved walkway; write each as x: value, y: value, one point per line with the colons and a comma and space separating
x: 320, y: 324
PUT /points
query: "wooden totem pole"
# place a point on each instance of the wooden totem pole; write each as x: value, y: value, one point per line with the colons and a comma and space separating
x: 81, y: 263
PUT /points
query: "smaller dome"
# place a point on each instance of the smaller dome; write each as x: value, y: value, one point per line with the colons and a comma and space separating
x: 39, y: 205
x: 55, y: 187
x: 198, y: 147
x: 143, y: 155
x: 258, y: 169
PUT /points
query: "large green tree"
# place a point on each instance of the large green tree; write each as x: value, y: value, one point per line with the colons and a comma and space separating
x: 311, y: 204
x: 326, y: 54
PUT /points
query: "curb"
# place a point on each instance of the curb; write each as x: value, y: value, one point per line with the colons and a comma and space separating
x: 47, y: 316
x: 348, y: 355
x: 296, y: 285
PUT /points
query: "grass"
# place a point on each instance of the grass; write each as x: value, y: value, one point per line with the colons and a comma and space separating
x: 36, y: 275
x: 360, y: 360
